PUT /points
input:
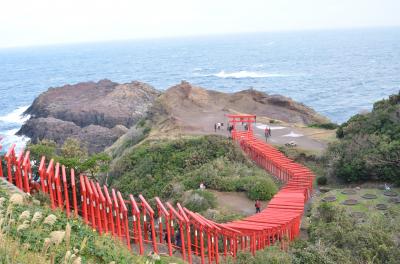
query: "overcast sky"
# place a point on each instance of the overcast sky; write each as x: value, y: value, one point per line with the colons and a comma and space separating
x: 37, y: 22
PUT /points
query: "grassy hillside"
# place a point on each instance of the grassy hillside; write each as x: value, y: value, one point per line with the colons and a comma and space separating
x: 32, y: 233
x: 167, y: 168
x: 369, y: 144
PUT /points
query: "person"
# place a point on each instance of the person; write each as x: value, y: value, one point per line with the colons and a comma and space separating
x: 165, y: 236
x: 269, y: 131
x: 215, y: 127
x: 219, y: 126
x: 258, y: 206
x: 266, y: 133
x: 178, y: 240
x: 246, y: 127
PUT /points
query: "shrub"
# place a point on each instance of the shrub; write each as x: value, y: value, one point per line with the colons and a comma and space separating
x: 369, y: 145
x: 322, y: 180
x: 330, y: 126
x: 153, y: 168
x: 261, y: 189
x: 199, y: 200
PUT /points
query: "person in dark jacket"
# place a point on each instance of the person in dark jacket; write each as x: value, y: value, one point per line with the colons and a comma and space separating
x: 178, y: 239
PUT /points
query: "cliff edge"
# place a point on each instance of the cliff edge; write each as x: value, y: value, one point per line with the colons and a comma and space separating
x: 96, y: 113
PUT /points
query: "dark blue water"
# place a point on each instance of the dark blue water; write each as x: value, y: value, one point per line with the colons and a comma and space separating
x: 338, y: 73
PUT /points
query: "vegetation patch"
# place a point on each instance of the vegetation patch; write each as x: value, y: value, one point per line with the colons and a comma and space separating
x: 330, y: 126
x: 369, y: 145
x: 31, y: 233
x: 168, y: 168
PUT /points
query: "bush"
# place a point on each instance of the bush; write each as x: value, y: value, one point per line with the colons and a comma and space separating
x: 322, y: 180
x: 258, y: 188
x: 330, y: 126
x: 199, y: 200
x: 153, y: 168
x: 338, y: 238
x: 369, y: 145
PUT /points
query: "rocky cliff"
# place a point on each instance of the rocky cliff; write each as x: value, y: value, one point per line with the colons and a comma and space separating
x: 97, y: 113
x: 195, y: 109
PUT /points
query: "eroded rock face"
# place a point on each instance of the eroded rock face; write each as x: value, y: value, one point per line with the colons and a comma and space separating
x: 95, y: 113
x: 195, y: 109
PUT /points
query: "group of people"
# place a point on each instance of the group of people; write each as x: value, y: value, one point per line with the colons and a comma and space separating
x: 217, y: 126
x: 177, y: 240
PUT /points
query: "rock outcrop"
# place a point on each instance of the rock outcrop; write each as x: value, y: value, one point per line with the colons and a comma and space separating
x: 95, y: 113
x: 195, y: 109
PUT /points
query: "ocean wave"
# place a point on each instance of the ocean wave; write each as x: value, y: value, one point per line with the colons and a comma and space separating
x: 247, y: 74
x: 16, y: 116
x: 8, y: 138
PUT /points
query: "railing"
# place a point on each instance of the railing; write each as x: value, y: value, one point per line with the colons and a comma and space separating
x: 143, y: 229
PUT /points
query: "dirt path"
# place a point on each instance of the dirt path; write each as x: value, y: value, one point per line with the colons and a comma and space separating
x: 280, y: 135
x: 236, y: 202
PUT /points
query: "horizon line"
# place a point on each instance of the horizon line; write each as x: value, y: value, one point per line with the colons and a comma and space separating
x: 43, y: 45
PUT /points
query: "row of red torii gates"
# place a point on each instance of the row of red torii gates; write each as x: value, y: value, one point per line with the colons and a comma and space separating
x: 140, y: 226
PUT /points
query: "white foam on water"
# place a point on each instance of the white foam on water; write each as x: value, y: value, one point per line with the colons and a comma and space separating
x: 247, y: 74
x: 10, y: 132
x: 7, y: 139
x: 16, y: 116
x: 292, y: 134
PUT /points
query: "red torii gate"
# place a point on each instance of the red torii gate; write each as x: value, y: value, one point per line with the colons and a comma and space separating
x: 233, y: 122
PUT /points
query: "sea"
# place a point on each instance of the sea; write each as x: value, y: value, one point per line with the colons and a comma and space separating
x: 339, y: 73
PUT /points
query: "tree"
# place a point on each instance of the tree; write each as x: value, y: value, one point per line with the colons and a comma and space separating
x: 72, y: 155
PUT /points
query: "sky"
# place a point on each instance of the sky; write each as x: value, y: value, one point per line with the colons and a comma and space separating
x: 43, y: 22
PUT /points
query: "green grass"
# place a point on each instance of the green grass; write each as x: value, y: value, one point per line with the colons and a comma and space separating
x: 168, y: 168
x: 31, y: 242
x: 364, y: 205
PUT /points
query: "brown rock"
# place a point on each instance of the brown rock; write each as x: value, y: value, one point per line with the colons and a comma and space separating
x: 95, y: 113
x: 190, y: 107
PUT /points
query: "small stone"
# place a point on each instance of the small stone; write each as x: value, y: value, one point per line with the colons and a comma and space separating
x: 381, y: 207
x: 390, y: 193
x: 369, y: 196
x: 329, y: 199
x: 349, y: 192
x: 324, y: 189
x: 394, y: 200
x: 350, y: 202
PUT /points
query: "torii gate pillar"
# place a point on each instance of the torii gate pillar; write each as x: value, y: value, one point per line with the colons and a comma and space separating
x: 247, y: 120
